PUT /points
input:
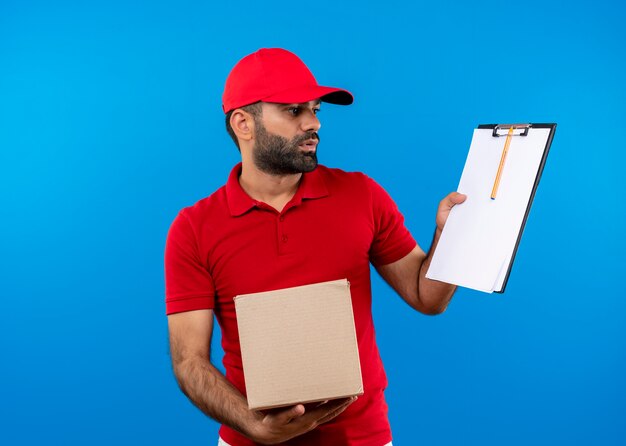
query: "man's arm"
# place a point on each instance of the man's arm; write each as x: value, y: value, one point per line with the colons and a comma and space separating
x: 408, y: 275
x: 208, y: 389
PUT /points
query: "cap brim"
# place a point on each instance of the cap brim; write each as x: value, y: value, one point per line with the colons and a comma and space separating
x: 305, y: 94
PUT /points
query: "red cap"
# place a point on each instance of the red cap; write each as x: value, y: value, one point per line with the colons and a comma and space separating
x: 276, y: 75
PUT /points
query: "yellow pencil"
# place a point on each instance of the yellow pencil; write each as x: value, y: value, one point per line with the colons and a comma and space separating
x: 507, y: 143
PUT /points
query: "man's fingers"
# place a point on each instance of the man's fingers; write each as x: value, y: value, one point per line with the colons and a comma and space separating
x: 453, y: 199
x: 450, y: 201
x: 457, y: 197
x: 330, y: 410
x: 446, y: 205
x: 296, y: 420
x: 285, y: 416
x: 335, y: 412
x: 325, y: 411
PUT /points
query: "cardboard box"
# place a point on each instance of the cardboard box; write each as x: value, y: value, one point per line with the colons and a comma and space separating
x: 298, y: 345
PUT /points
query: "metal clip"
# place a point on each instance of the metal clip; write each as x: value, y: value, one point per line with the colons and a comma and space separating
x: 505, y: 129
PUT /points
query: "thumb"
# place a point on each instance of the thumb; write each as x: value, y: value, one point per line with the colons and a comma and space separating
x: 457, y: 198
x: 285, y: 416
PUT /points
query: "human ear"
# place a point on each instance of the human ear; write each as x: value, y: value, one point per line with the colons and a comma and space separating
x: 242, y: 124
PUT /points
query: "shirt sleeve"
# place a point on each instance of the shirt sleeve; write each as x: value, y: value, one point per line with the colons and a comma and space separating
x: 188, y: 284
x: 392, y: 240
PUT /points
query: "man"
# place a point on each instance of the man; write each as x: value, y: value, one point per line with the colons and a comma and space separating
x: 282, y: 221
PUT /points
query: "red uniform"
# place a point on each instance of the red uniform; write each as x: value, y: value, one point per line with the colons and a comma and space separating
x: 335, y: 225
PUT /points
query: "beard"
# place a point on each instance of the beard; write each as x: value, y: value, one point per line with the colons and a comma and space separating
x: 276, y: 155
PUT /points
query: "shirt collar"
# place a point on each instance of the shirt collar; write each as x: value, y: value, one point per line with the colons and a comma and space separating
x: 311, y: 186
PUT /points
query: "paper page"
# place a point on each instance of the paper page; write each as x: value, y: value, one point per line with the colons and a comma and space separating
x: 478, y: 241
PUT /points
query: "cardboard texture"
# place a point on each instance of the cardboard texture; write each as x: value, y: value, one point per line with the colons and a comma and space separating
x: 298, y: 345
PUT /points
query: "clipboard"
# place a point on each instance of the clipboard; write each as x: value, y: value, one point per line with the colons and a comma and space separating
x: 478, y: 244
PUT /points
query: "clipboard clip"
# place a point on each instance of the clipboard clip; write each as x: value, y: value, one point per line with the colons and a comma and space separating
x: 503, y: 129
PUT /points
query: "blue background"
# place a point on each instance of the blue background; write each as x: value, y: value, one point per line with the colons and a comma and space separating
x: 110, y: 122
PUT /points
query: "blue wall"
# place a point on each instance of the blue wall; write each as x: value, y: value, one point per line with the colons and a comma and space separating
x: 110, y: 122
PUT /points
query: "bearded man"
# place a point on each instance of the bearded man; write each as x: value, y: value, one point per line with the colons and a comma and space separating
x: 280, y: 221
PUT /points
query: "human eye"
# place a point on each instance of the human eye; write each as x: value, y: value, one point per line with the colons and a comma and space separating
x: 294, y: 110
x: 316, y: 110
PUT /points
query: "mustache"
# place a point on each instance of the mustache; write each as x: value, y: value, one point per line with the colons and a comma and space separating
x: 309, y: 135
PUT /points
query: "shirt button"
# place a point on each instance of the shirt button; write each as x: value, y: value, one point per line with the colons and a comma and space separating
x: 284, y: 239
x: 282, y: 218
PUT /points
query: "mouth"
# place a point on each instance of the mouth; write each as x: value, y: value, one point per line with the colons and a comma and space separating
x: 310, y: 145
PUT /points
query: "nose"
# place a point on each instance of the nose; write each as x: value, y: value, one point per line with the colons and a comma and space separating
x: 310, y: 121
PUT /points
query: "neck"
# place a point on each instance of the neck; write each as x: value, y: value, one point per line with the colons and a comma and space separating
x: 275, y: 190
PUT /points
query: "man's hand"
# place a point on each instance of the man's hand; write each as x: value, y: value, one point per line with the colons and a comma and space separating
x: 444, y: 208
x: 190, y: 343
x: 408, y: 275
x: 278, y: 426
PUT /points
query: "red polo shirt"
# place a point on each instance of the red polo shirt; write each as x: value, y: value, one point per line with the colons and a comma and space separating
x: 335, y: 225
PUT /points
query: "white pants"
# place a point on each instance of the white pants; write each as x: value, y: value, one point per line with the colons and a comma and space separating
x: 221, y: 442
